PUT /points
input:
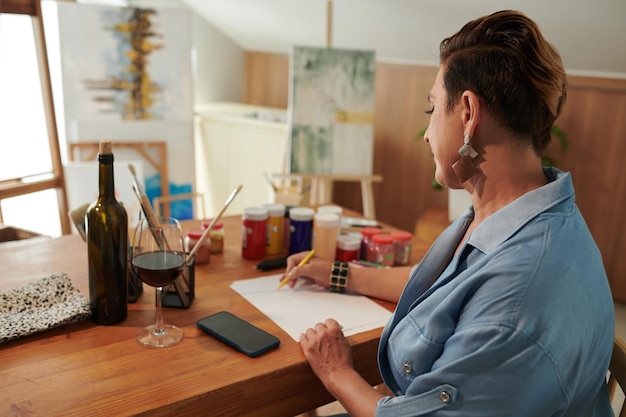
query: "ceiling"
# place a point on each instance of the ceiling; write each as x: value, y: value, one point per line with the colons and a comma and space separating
x: 590, y: 35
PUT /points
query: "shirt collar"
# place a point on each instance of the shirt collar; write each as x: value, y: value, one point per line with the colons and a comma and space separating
x: 502, y: 224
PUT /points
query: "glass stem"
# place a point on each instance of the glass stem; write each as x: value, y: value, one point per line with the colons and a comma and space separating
x: 159, y: 330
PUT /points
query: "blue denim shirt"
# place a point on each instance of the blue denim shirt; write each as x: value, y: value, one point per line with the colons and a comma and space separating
x: 519, y: 323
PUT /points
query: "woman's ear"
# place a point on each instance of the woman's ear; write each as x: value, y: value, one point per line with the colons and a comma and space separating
x: 470, y: 111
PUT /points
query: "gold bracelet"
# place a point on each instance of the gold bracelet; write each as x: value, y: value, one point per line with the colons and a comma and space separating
x: 339, y: 276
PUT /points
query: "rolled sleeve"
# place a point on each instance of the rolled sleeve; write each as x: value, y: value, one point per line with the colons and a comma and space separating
x: 436, y: 399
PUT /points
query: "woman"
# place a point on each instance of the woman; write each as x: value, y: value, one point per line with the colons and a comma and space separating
x: 509, y: 313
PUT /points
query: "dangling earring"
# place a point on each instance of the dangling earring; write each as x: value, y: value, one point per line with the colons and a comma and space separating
x: 464, y: 168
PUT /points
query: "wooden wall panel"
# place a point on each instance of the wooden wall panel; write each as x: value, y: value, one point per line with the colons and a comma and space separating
x: 266, y: 79
x: 403, y: 159
x: 595, y: 123
x: 593, y: 117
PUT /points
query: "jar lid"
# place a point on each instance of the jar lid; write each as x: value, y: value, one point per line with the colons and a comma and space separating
x: 326, y: 219
x: 370, y: 231
x: 330, y: 209
x: 382, y: 238
x: 275, y: 210
x: 195, y: 233
x: 401, y: 235
x: 301, y: 213
x: 207, y: 223
x: 255, y: 213
x: 348, y: 242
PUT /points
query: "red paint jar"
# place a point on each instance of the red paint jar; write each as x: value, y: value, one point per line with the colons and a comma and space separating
x: 254, y: 233
x: 366, y: 239
x: 347, y: 248
x: 402, y: 245
x: 382, y: 251
x: 203, y: 254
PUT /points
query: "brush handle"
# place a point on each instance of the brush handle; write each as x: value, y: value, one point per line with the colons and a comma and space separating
x: 215, y: 219
x: 146, y: 207
x: 152, y: 220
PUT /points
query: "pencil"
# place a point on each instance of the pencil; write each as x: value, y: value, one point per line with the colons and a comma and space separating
x: 304, y: 260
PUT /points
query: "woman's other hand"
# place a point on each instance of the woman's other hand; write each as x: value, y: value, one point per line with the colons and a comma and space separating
x: 326, y: 349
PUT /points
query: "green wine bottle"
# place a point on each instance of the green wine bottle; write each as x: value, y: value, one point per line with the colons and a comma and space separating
x: 107, y: 247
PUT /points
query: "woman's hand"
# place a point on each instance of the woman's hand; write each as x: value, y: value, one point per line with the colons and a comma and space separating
x: 327, y: 350
x: 316, y: 270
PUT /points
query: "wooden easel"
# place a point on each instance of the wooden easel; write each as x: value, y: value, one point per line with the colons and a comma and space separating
x: 19, y: 186
x: 320, y: 189
x: 321, y: 185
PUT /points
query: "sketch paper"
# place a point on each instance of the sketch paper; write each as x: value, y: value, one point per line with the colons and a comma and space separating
x: 295, y: 310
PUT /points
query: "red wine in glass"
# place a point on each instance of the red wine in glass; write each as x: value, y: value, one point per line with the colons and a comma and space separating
x: 158, y: 258
x: 159, y: 268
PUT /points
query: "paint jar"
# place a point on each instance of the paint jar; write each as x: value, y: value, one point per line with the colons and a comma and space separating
x: 216, y: 235
x: 348, y: 247
x: 286, y: 228
x: 275, y: 224
x: 203, y: 254
x: 366, y: 240
x: 402, y: 243
x: 331, y: 209
x: 382, y: 250
x: 254, y: 236
x: 325, y: 232
x: 300, y: 229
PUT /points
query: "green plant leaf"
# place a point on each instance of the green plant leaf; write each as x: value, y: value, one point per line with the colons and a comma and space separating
x: 558, y: 133
x: 436, y: 186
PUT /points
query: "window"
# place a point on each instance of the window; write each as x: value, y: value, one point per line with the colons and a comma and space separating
x: 29, y: 177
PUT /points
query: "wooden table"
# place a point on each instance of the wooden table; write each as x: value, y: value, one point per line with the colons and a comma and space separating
x: 83, y: 369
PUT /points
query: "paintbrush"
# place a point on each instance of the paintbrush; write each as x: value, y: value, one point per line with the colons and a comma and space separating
x: 146, y: 207
x: 206, y: 232
x: 270, y: 182
x: 144, y: 201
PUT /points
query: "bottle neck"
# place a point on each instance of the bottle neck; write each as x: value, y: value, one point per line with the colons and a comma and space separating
x: 106, y: 181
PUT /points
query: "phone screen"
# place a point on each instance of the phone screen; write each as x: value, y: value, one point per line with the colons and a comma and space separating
x: 238, y: 333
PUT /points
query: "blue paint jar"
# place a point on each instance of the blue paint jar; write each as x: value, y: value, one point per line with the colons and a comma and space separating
x: 300, y: 229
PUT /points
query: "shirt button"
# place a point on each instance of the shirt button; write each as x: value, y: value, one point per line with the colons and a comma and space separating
x: 444, y: 396
x: 407, y: 368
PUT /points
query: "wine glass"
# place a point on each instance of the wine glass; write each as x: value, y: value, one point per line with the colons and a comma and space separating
x: 157, y: 259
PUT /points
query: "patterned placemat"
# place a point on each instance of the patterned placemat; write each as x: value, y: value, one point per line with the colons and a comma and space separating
x: 41, y: 305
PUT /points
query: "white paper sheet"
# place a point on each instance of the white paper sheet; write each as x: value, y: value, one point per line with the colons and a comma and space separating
x: 297, y: 309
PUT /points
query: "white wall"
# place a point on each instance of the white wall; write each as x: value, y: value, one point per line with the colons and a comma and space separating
x: 218, y: 65
x: 218, y: 61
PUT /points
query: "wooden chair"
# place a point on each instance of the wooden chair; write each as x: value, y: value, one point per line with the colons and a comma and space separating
x: 162, y: 203
x: 617, y: 370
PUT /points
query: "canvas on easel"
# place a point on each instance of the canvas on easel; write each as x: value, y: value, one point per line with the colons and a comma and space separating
x: 331, y: 111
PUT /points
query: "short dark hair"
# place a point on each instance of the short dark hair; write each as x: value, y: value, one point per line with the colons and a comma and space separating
x: 506, y: 61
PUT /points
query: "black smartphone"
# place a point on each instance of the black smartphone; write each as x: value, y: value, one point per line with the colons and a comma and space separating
x: 238, y: 333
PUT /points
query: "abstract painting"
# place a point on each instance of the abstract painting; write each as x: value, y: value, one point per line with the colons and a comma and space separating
x: 129, y: 87
x: 126, y: 63
x: 127, y: 76
x: 332, y: 111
